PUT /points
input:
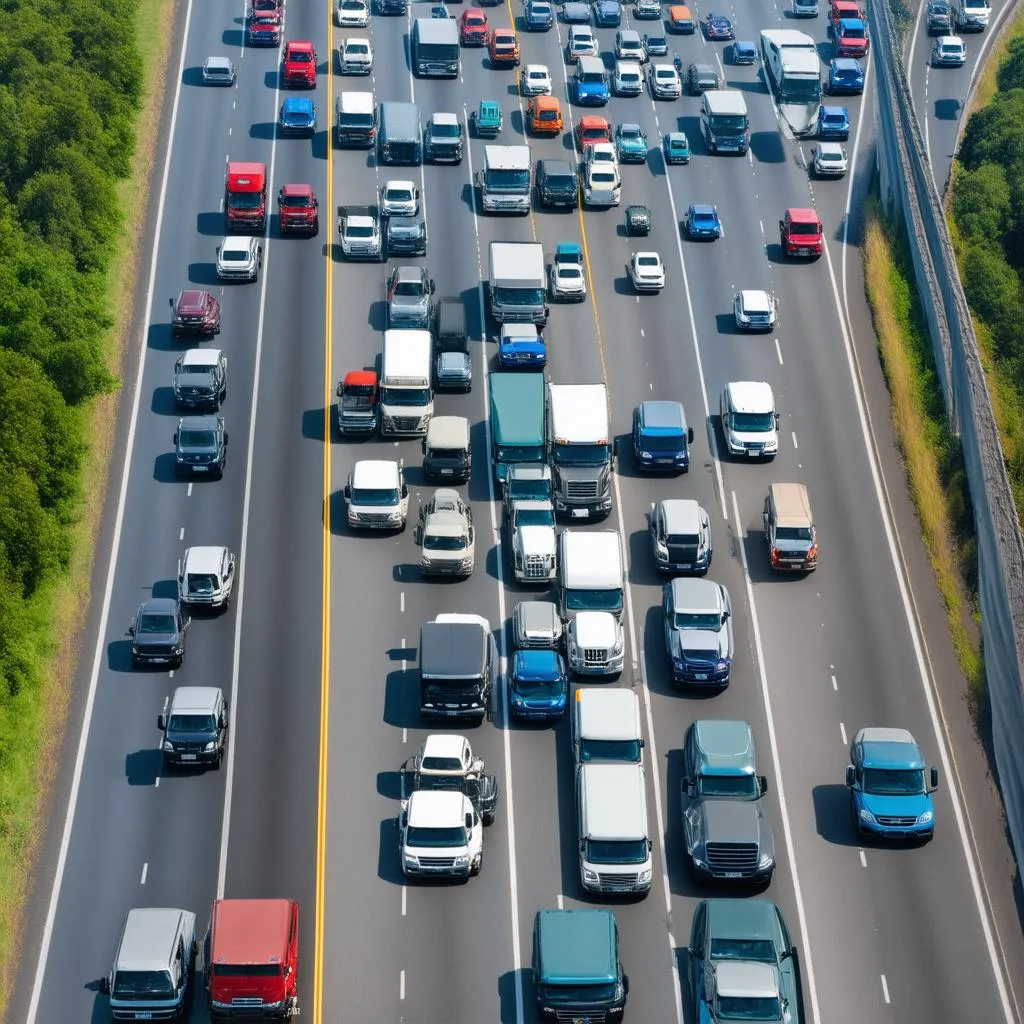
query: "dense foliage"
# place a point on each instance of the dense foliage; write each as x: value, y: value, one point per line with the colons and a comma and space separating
x: 70, y: 86
x: 988, y: 209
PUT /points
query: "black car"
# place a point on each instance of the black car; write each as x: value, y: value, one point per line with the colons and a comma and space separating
x: 159, y: 631
x: 638, y: 220
x: 200, y: 446
x: 700, y: 78
x: 407, y: 235
x: 557, y: 183
x: 194, y: 723
x: 656, y: 45
x: 940, y: 18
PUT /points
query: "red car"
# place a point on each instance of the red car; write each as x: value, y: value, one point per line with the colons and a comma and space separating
x: 504, y: 48
x: 591, y: 128
x: 298, y: 210
x: 800, y: 233
x: 473, y: 27
x: 300, y: 63
x: 840, y: 9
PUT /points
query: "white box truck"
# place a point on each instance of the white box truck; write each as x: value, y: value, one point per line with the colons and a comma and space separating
x: 406, y: 395
x: 517, y: 283
x: 505, y: 180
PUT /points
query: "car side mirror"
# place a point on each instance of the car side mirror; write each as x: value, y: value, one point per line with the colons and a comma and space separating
x: 469, y: 820
x: 417, y: 535
x: 582, y: 845
x: 763, y: 782
x: 161, y: 721
x: 776, y: 421
x: 339, y: 390
x: 170, y: 302
x: 405, y: 490
x: 222, y: 721
x: 105, y: 986
x: 432, y: 286
x: 650, y: 512
x: 186, y: 622
x: 933, y: 779
x: 851, y: 776
x: 695, y: 954
x: 175, y: 437
x: 217, y: 250
x: 131, y: 629
x: 643, y: 743
x: 225, y: 439
x: 348, y: 492
x: 625, y: 984
x: 689, y: 435
x: 726, y: 616
x: 423, y: 447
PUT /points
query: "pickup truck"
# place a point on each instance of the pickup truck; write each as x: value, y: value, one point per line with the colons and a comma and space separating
x: 800, y: 233
x: 447, y: 761
x: 445, y: 535
x: 359, y: 231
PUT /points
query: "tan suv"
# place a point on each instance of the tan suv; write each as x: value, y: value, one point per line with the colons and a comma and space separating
x: 789, y: 529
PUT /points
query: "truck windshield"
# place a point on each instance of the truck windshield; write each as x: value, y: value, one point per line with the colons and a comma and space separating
x: 761, y: 951
x: 593, y: 600
x: 581, y: 454
x: 525, y: 453
x: 519, y: 296
x: 197, y: 439
x: 201, y: 583
x: 535, y: 517
x: 662, y: 442
x: 455, y: 689
x: 894, y: 781
x: 753, y: 422
x: 405, y: 396
x: 804, y: 228
x: 438, y: 51
x: 359, y: 231
x: 793, y: 533
x: 616, y: 851
x: 729, y: 124
x: 191, y: 723
x: 801, y: 90
x: 744, y: 787
x: 610, y: 750
x: 697, y: 620
x: 422, y: 836
x: 142, y: 985
x: 758, y: 1008
x: 245, y: 200
x: 573, y: 994
x: 433, y: 543
x: 355, y: 120
x: 508, y: 180
x: 375, y: 496
x: 247, y: 970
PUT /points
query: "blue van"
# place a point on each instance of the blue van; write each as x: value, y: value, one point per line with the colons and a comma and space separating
x: 661, y: 438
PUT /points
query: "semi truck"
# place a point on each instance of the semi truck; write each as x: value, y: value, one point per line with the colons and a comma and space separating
x: 406, y: 395
x: 435, y: 48
x: 245, y: 198
x: 504, y: 181
x: 516, y: 282
x: 517, y: 421
x: 579, y: 440
x: 791, y: 61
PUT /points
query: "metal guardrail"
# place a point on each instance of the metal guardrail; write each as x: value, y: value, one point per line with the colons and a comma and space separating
x: 907, y: 186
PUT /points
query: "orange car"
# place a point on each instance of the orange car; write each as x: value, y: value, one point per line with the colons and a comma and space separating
x: 680, y: 19
x: 592, y: 128
x: 544, y: 114
x: 503, y: 47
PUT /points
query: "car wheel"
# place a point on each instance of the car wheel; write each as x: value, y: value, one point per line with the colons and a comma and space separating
x: 474, y: 872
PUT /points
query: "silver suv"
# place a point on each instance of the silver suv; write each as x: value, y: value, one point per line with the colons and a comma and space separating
x: 409, y: 291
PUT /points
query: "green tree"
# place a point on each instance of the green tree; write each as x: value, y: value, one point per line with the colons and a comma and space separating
x: 982, y: 203
x: 1010, y: 74
x: 994, y: 292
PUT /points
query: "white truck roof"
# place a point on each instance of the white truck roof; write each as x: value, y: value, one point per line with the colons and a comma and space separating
x: 368, y: 474
x: 407, y: 357
x: 447, y: 432
x: 355, y: 103
x: 592, y: 559
x: 725, y: 101
x: 746, y: 979
x: 787, y: 38
x: 517, y: 264
x: 463, y: 617
x: 537, y: 540
x: 528, y: 331
x: 612, y: 714
x: 443, y: 746
x: 205, y: 559
x: 437, y: 808
x: 615, y: 801
x: 579, y: 413
x: 507, y: 158
x: 200, y: 357
x: 595, y: 629
x: 751, y: 396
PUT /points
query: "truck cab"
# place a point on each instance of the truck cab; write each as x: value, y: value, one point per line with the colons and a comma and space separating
x: 517, y: 283
x: 298, y: 210
x: 251, y: 959
x: 801, y: 233
x: 661, y: 438
x: 377, y: 495
x: 206, y: 576
x: 359, y: 232
x: 201, y: 378
x: 406, y: 395
x: 590, y: 573
x: 532, y: 527
x: 458, y: 667
x: 728, y: 837
x: 357, y: 402
x: 447, y: 449
x: 606, y: 726
x: 750, y: 423
x: 579, y: 436
x: 504, y: 181
x: 518, y: 431
x: 889, y: 786
x: 245, y: 198
x: 194, y: 723
x: 440, y: 834
x: 595, y: 644
x: 576, y: 967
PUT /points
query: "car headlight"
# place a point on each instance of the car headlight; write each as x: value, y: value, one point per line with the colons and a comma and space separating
x: 462, y: 861
x: 589, y: 876
x: 169, y: 746
x: 410, y: 860
x: 866, y: 816
x: 212, y: 745
x: 619, y: 644
x: 723, y: 665
x: 517, y: 702
x: 646, y: 456
x: 766, y: 861
x: 925, y: 817
x: 644, y: 877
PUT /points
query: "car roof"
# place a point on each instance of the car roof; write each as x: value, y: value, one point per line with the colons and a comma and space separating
x: 538, y: 67
x: 696, y: 595
x: 889, y: 748
x: 677, y: 137
x: 199, y: 357
x: 594, y: 121
x: 947, y: 40
x: 236, y: 242
x: 549, y: 166
x: 206, y: 558
x: 303, y: 103
x: 629, y: 35
x: 537, y: 663
x: 443, y: 744
x: 631, y: 126
x: 431, y: 806
x: 846, y: 64
x: 192, y: 296
x: 803, y: 215
x: 502, y: 32
x: 835, y: 111
x: 375, y: 473
x: 545, y: 102
x: 158, y: 606
x: 207, y: 422
x: 702, y: 210
x: 681, y: 514
x: 147, y: 943
x: 751, y: 395
x: 303, y: 45
x: 195, y: 699
x: 742, y: 919
x: 661, y: 414
x: 833, y: 148
x: 758, y: 298
x: 223, y: 63
x: 294, y: 189
x: 726, y: 743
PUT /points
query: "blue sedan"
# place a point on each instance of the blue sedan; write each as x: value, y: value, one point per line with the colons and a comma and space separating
x: 717, y: 26
x: 298, y: 116
x: 608, y: 13
x: 538, y: 685
x: 631, y: 143
x: 521, y: 347
x: 845, y: 75
x: 702, y: 221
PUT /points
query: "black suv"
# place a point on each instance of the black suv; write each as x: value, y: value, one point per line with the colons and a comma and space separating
x: 194, y: 723
x: 159, y: 631
x: 196, y: 311
x: 201, y: 445
x: 201, y: 378
x: 407, y: 235
x: 557, y: 184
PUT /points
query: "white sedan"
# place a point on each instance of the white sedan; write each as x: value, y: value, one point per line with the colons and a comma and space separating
x: 665, y: 82
x: 647, y: 272
x: 399, y: 199
x: 352, y: 13
x: 828, y: 160
x: 568, y: 282
x: 356, y: 56
x: 535, y: 80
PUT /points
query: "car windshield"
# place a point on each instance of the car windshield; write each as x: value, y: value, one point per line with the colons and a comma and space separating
x: 794, y: 533
x: 192, y: 723
x: 649, y: 261
x: 535, y: 517
x: 540, y: 77
x: 603, y: 177
x: 153, y: 623
x: 300, y: 57
x: 142, y: 985
x: 405, y: 396
x: 616, y: 851
x: 359, y: 231
x: 301, y: 201
x: 398, y: 195
x: 597, y: 134
x: 520, y: 296
x: 296, y: 115
x: 744, y: 787
x: 804, y: 228
x: 421, y: 836
x: 593, y: 600
x: 434, y: 543
x: 245, y: 200
x: 197, y: 438
x: 446, y: 131
x: 548, y: 115
x: 757, y: 1008
x: 697, y: 620
x: 570, y: 273
x: 375, y: 496
x: 761, y: 951
x: 610, y: 750
x: 894, y: 781
x: 661, y: 443
x: 666, y: 73
x: 704, y: 219
x: 656, y: 41
x: 201, y: 583
x: 592, y: 76
x: 356, y: 48
x: 540, y: 687
x: 753, y: 422
x: 572, y: 995
x: 246, y: 970
x: 509, y: 177
x: 190, y: 369
x: 234, y: 255
x: 441, y: 764
x: 828, y: 155
x: 412, y: 289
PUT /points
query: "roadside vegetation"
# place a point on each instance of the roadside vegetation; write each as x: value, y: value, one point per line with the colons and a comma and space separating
x: 73, y: 80
x: 931, y: 454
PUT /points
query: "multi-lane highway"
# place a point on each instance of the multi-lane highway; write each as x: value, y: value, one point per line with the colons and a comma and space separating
x: 323, y: 630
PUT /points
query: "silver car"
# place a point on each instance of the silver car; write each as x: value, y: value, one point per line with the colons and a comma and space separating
x: 409, y: 291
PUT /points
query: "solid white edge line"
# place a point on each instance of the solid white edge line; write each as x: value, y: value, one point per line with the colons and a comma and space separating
x: 83, y: 738
x: 909, y: 607
x: 805, y: 958
x: 222, y: 868
x: 502, y: 611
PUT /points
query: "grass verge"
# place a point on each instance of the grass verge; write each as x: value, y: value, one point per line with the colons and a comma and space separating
x: 60, y: 611
x: 931, y: 455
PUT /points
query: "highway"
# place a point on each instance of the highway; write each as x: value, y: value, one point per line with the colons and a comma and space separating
x: 884, y: 934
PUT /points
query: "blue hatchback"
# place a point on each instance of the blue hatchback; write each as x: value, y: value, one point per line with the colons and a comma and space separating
x: 834, y: 123
x: 298, y: 116
x: 845, y: 75
x: 702, y: 221
x: 538, y: 685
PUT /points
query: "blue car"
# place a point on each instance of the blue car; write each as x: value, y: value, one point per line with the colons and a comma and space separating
x: 631, y: 143
x: 540, y: 15
x: 607, y: 13
x: 702, y: 221
x: 521, y: 347
x: 676, y: 148
x: 834, y: 123
x: 744, y: 52
x: 538, y: 685
x: 576, y: 13
x: 298, y: 116
x: 661, y: 438
x: 717, y: 26
x: 890, y: 787
x: 591, y: 82
x: 845, y: 75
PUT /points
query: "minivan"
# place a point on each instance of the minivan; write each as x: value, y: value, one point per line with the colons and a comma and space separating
x: 789, y: 528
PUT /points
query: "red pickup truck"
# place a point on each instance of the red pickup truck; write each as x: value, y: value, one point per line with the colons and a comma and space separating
x: 800, y: 233
x: 299, y: 63
x: 298, y: 210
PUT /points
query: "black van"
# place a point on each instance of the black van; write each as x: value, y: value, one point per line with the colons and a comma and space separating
x: 453, y: 368
x: 557, y: 184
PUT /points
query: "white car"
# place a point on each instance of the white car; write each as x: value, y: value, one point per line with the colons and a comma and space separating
x: 568, y: 282
x: 602, y: 185
x: 828, y: 160
x: 949, y: 52
x: 627, y: 79
x: 647, y: 272
x: 352, y: 13
x: 356, y: 55
x: 629, y: 45
x: 535, y: 80
x: 399, y: 199
x: 665, y: 82
x: 755, y: 310
x: 239, y: 258
x: 602, y: 153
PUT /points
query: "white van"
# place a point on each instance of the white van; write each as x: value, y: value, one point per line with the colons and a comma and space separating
x: 606, y: 727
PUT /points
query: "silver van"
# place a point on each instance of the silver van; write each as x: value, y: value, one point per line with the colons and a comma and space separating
x: 154, y: 965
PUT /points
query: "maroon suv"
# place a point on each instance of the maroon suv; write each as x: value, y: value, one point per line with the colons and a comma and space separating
x: 196, y: 311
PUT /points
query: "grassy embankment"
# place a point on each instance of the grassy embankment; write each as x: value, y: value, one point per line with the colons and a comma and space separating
x: 60, y: 610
